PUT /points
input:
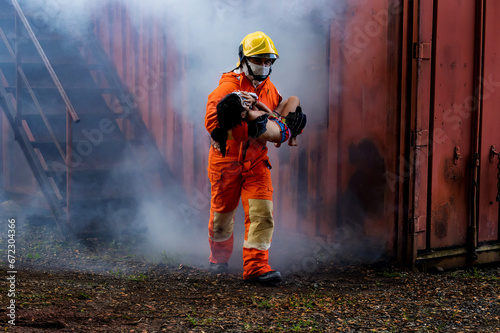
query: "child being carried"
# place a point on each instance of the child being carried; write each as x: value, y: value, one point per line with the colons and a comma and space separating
x: 287, y: 121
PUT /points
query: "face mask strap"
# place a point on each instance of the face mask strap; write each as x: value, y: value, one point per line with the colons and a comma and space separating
x: 257, y: 77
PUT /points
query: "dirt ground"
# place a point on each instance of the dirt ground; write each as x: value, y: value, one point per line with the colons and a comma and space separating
x: 99, y: 286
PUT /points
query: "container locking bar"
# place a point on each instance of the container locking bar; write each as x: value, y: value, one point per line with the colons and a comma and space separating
x: 493, y: 153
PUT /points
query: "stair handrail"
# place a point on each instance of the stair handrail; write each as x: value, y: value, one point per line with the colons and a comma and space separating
x: 33, y: 97
x: 46, y: 61
x: 33, y: 161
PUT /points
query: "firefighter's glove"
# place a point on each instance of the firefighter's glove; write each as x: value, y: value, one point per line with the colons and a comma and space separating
x: 296, y: 121
x: 257, y: 127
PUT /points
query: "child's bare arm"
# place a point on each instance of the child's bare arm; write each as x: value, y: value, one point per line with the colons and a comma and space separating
x: 263, y: 107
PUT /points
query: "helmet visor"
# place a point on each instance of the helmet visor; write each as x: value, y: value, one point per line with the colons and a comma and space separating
x: 265, y: 56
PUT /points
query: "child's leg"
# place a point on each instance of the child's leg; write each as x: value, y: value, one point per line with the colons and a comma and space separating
x: 288, y: 105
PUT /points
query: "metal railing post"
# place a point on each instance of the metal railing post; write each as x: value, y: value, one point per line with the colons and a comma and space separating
x: 17, y: 55
x: 69, y: 156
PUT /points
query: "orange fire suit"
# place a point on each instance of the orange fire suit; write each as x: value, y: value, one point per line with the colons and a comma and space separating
x: 244, y: 172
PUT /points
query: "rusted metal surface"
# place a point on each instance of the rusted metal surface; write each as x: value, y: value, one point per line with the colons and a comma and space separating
x: 418, y: 158
x: 452, y: 90
x: 365, y: 145
x: 475, y: 136
x: 147, y: 61
x: 488, y: 212
x: 463, y: 170
x: 346, y: 162
x: 393, y: 159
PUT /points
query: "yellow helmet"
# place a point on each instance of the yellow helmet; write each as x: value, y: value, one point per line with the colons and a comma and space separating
x: 257, y: 44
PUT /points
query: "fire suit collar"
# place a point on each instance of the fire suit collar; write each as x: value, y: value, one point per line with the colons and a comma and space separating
x: 245, y: 81
x: 231, y: 77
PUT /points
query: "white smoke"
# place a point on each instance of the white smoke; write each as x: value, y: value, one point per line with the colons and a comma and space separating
x: 208, y: 33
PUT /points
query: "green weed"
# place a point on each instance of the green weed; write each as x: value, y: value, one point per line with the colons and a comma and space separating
x: 34, y: 256
x: 140, y: 277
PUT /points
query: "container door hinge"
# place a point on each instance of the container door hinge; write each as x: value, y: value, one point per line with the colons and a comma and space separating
x: 420, y: 138
x: 419, y: 224
x: 422, y: 51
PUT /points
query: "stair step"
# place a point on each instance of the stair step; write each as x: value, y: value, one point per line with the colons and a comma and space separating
x: 93, y: 129
x: 84, y: 152
x: 34, y: 58
x: 85, y: 103
x: 86, y: 116
x: 92, y: 159
x: 6, y: 61
x: 38, y: 76
x: 8, y: 28
x: 42, y: 29
x: 56, y: 52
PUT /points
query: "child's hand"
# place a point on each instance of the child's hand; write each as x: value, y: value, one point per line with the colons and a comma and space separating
x: 248, y: 100
x: 215, y: 144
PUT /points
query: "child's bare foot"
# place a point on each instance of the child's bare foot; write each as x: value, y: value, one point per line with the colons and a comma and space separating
x: 277, y: 144
x: 292, y: 141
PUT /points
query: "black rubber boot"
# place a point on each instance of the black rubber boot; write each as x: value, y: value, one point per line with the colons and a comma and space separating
x: 217, y: 268
x: 272, y: 278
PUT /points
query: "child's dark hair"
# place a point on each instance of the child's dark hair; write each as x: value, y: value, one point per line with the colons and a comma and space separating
x: 229, y: 111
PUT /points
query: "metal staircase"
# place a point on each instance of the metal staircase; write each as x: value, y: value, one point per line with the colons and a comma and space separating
x: 68, y: 109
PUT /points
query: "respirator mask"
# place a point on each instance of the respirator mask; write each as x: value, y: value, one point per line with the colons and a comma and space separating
x: 256, y: 72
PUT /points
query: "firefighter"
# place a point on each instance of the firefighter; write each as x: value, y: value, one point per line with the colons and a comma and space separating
x: 243, y: 170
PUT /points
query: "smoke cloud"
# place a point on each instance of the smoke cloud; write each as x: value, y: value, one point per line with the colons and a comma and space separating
x: 207, y: 34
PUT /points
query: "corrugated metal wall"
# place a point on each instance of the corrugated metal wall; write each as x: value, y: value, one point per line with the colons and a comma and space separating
x: 455, y: 212
x: 140, y: 52
x: 391, y: 161
x: 490, y: 134
x: 364, y: 117
x: 146, y: 59
x: 346, y: 160
x: 453, y: 85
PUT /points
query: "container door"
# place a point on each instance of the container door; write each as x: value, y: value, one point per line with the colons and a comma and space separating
x: 488, y: 218
x: 456, y: 98
x: 445, y: 62
x: 452, y: 106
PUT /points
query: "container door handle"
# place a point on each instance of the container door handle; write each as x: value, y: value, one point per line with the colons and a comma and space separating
x: 457, y: 155
x: 493, y: 153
